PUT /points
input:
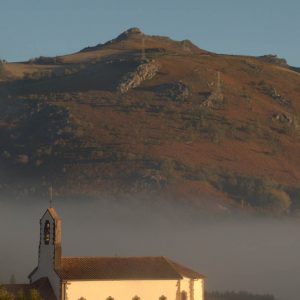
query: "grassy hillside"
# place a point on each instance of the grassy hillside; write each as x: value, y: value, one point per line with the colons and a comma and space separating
x: 143, y: 114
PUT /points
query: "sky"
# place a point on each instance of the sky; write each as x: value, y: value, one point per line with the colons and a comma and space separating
x: 33, y: 28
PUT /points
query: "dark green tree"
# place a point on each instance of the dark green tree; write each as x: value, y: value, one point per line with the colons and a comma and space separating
x: 21, y: 295
x: 35, y: 295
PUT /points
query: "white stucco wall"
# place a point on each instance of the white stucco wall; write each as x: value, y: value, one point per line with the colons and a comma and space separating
x: 46, y: 258
x: 127, y: 289
x: 193, y: 288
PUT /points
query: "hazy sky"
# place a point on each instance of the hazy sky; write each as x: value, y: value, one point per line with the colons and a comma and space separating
x: 31, y: 28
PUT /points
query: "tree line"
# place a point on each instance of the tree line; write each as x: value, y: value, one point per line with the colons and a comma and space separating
x: 32, y: 295
x: 236, y: 296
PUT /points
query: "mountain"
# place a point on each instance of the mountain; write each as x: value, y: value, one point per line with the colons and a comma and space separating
x: 147, y: 115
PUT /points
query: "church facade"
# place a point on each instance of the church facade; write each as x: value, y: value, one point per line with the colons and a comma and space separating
x: 110, y: 278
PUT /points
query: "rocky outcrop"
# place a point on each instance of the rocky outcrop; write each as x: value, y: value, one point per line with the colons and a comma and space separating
x: 282, y: 118
x: 273, y: 59
x: 126, y: 34
x: 215, y: 100
x: 279, y: 98
x: 274, y: 94
x: 123, y: 36
x: 144, y: 71
x: 177, y: 91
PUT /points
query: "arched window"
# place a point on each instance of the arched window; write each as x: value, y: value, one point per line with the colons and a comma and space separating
x: 162, y: 297
x: 47, y: 232
x: 136, y: 298
x: 183, y: 295
x: 110, y: 298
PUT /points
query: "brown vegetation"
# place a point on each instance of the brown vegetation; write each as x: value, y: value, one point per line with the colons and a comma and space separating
x: 64, y: 120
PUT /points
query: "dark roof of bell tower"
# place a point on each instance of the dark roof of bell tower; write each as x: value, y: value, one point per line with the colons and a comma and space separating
x: 53, y: 213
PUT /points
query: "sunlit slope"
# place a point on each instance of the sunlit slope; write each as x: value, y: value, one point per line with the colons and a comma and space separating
x: 145, y: 113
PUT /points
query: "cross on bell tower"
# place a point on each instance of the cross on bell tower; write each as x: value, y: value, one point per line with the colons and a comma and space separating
x: 50, y: 196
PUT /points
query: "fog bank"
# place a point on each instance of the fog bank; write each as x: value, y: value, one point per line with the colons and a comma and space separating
x: 259, y: 255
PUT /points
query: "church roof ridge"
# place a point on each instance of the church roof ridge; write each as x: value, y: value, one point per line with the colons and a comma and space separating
x: 122, y: 268
x: 183, y: 270
x: 112, y: 256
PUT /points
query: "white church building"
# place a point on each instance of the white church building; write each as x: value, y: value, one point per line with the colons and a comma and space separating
x: 109, y: 278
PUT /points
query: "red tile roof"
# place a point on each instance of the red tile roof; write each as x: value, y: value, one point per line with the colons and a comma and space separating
x: 123, y: 268
x: 42, y: 286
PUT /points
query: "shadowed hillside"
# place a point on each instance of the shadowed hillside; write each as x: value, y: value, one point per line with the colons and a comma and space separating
x: 146, y: 115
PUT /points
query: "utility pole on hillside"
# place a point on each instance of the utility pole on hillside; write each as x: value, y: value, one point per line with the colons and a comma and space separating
x: 143, y: 48
x: 216, y: 99
x: 219, y: 82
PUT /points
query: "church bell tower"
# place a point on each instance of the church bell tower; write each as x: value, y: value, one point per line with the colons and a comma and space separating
x: 50, y: 239
x: 49, y: 259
